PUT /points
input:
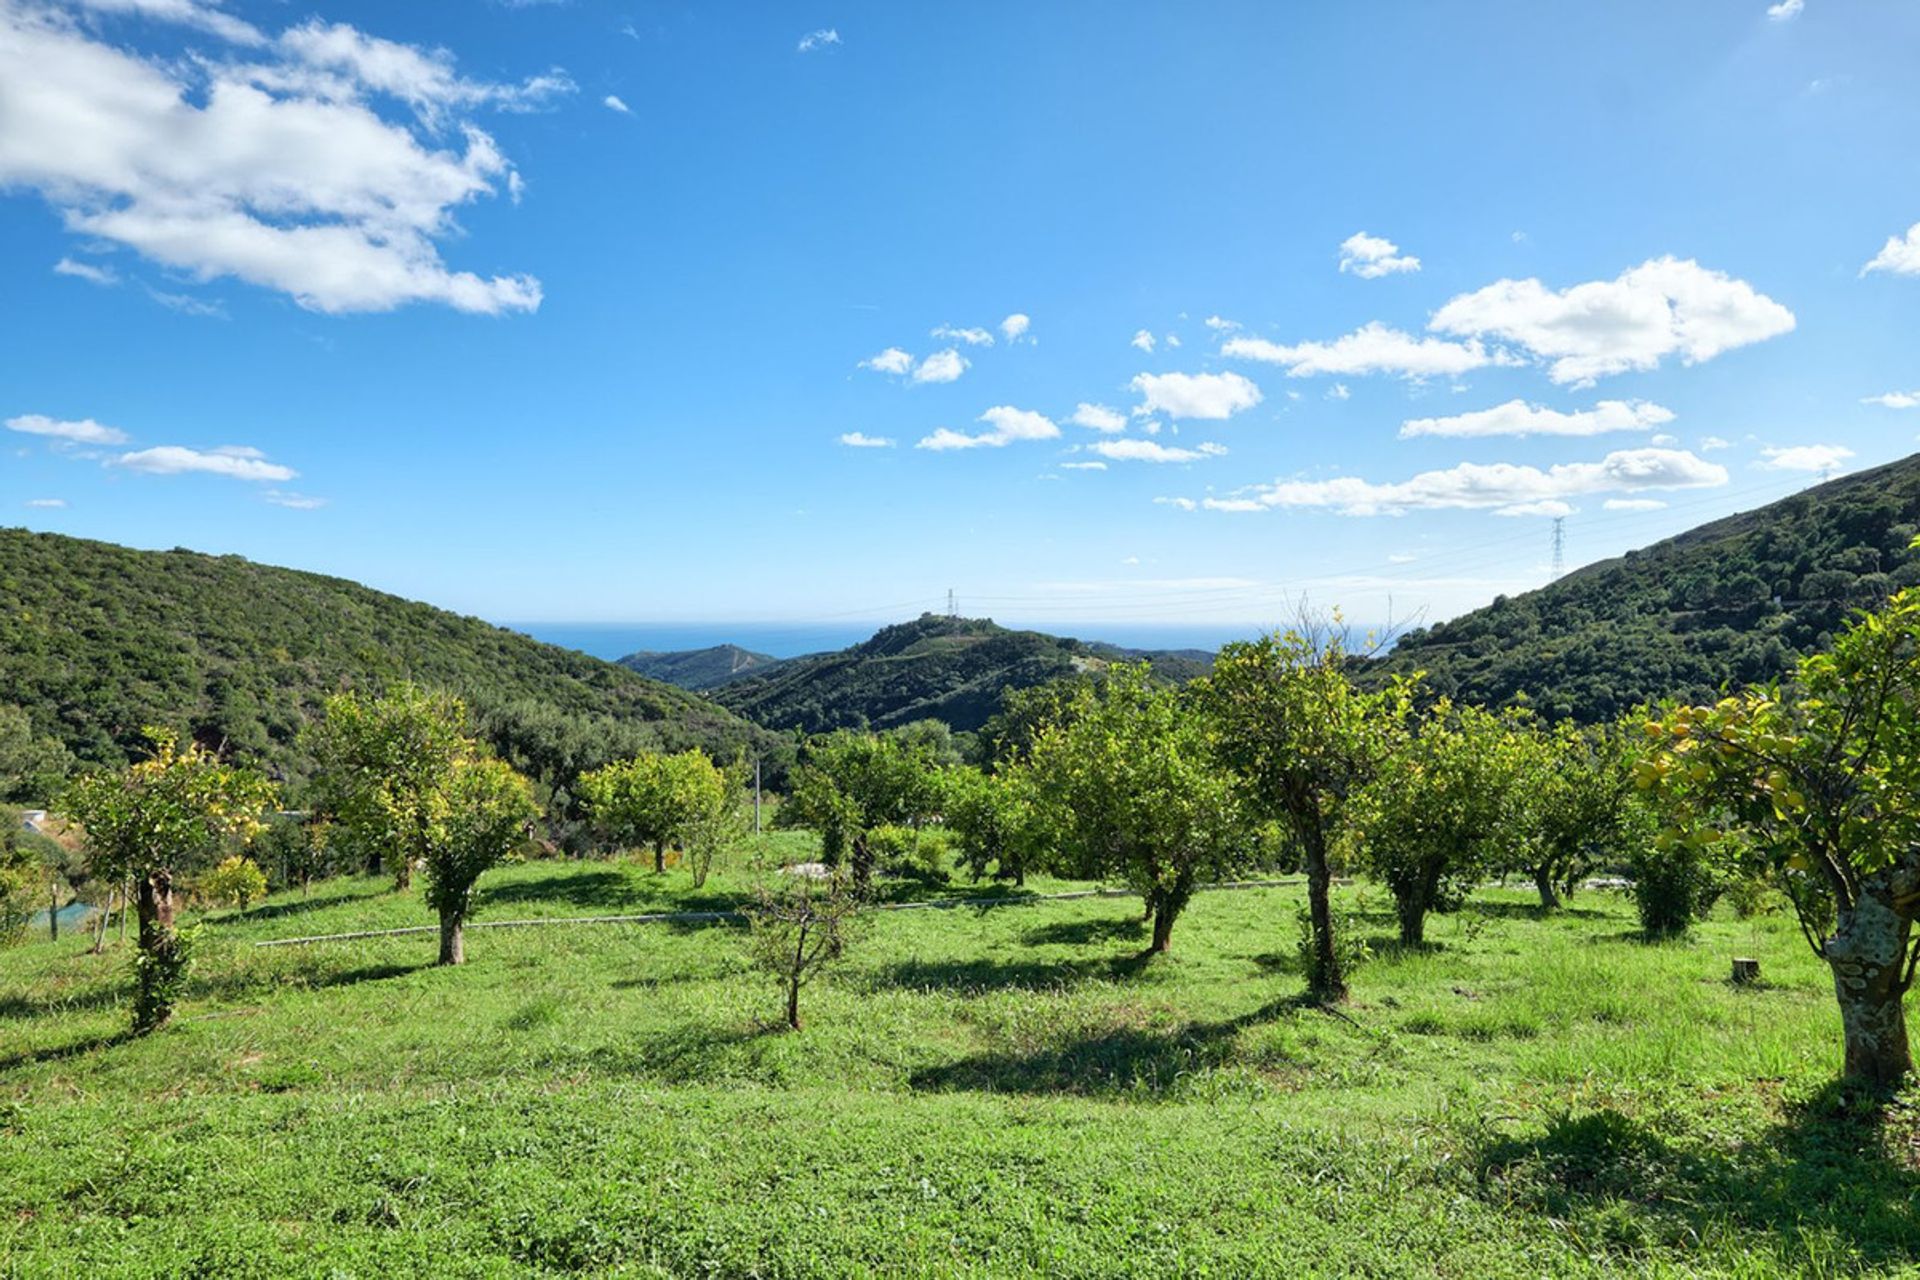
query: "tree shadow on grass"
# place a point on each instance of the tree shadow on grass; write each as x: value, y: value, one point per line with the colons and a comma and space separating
x: 606, y: 891
x: 20, y: 1008
x: 240, y: 984
x: 1079, y: 933
x: 1000, y: 975
x: 60, y: 1053
x: 281, y: 910
x: 1124, y: 1060
x: 1832, y: 1164
x: 1531, y: 911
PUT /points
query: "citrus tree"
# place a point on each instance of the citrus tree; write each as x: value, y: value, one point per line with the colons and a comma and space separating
x: 152, y: 823
x: 383, y: 769
x: 486, y: 813
x: 1574, y: 796
x: 1304, y: 739
x: 849, y: 784
x: 1129, y: 784
x: 654, y: 800
x: 1819, y: 784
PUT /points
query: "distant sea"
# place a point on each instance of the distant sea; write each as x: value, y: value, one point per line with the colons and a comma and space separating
x: 612, y: 640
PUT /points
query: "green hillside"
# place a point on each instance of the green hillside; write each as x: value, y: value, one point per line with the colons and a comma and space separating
x: 1733, y: 601
x: 97, y: 641
x: 699, y: 669
x: 936, y: 667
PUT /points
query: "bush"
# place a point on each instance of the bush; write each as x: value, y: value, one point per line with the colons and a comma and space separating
x: 1673, y: 885
x: 911, y: 854
x: 237, y: 882
x: 1750, y: 896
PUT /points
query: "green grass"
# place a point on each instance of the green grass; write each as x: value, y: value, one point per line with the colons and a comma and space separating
x: 978, y: 1091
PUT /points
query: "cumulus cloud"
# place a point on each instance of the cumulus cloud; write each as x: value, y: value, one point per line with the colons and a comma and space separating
x: 1786, y: 10
x: 1006, y: 425
x: 1183, y: 504
x: 1015, y: 327
x: 1551, y: 507
x: 1805, y: 457
x: 818, y: 39
x: 1132, y: 450
x: 1220, y: 324
x: 972, y: 337
x: 83, y: 431
x: 1518, y: 418
x: 1211, y: 396
x: 1663, y: 307
x: 1142, y: 340
x: 861, y: 440
x: 1709, y: 443
x: 892, y: 360
x: 1372, y: 348
x: 1498, y: 486
x: 273, y: 163
x: 86, y: 271
x: 1083, y: 466
x: 1097, y: 417
x: 1895, y: 400
x: 1371, y: 257
x: 236, y: 462
x: 1900, y: 255
x: 941, y: 366
x: 613, y: 102
x: 1633, y: 504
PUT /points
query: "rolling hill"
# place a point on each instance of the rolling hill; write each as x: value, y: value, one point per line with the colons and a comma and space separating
x: 1737, y: 600
x: 699, y: 669
x: 98, y: 640
x: 935, y: 667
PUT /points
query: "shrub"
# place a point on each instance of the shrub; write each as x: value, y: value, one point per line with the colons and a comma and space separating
x: 237, y: 882
x: 912, y: 854
x: 1750, y: 896
x: 1673, y: 885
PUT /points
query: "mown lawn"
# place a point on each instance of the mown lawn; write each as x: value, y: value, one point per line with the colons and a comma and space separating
x: 978, y: 1091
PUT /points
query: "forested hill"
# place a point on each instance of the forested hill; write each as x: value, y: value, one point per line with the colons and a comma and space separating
x: 1734, y: 601
x: 941, y: 668
x: 699, y: 669
x: 97, y: 641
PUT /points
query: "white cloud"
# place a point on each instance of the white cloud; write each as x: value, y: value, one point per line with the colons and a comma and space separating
x: 613, y: 102
x: 1550, y: 507
x: 1016, y: 326
x: 293, y: 501
x: 972, y: 337
x: 47, y: 504
x: 1338, y: 391
x: 818, y: 39
x: 280, y: 172
x: 1173, y: 340
x: 1895, y: 400
x: 237, y: 462
x: 86, y: 271
x: 1497, y: 486
x: 1097, y: 417
x: 83, y: 431
x: 861, y: 440
x: 185, y: 13
x: 1142, y: 340
x: 1184, y: 504
x: 1371, y: 257
x: 1083, y: 466
x: 941, y: 366
x: 1372, y: 348
x: 1518, y: 418
x: 892, y: 360
x: 1008, y: 425
x: 1220, y: 324
x: 1633, y: 504
x: 1132, y: 450
x: 1900, y: 255
x: 1662, y: 307
x: 1212, y: 396
x: 1664, y: 440
x: 1806, y: 457
x: 1402, y: 557
x: 186, y: 304
x: 1786, y: 10
x: 1709, y: 443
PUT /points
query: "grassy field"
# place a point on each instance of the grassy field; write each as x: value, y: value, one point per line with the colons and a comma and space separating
x: 978, y: 1091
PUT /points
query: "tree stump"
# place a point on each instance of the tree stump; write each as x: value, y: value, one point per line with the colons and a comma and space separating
x: 1746, y: 972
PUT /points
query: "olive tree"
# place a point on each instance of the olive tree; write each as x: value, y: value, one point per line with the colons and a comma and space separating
x: 152, y: 822
x: 1129, y: 783
x: 1303, y: 739
x: 1820, y: 783
x: 1437, y: 815
x: 383, y: 769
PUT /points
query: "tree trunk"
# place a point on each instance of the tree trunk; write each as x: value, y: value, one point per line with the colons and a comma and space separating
x: 1413, y: 921
x: 1326, y: 983
x: 862, y: 864
x: 1867, y: 954
x: 100, y: 932
x: 53, y: 908
x: 659, y: 857
x: 1162, y: 928
x: 793, y: 1003
x: 1543, y: 881
x: 453, y: 939
x: 160, y: 949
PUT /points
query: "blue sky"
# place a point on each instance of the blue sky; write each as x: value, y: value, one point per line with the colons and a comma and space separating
x: 563, y: 311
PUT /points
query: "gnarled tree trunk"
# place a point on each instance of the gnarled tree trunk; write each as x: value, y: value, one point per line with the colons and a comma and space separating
x: 1543, y: 881
x: 160, y: 952
x: 1868, y: 955
x: 453, y: 938
x: 1326, y: 982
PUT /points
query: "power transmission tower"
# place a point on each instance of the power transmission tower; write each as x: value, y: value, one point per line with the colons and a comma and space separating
x: 953, y: 607
x: 1559, y: 545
